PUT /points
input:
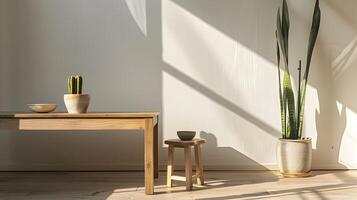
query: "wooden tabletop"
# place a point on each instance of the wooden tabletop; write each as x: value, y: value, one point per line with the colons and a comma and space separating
x: 82, y: 115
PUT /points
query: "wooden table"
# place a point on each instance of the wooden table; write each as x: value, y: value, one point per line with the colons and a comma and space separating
x: 148, y: 122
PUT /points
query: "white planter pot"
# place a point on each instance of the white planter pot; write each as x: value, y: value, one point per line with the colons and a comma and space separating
x: 294, y: 157
x: 76, y: 103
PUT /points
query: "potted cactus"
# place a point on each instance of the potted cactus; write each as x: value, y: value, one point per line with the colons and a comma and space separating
x: 75, y: 101
x: 294, y: 153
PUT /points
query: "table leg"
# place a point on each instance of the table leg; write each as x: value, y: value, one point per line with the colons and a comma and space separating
x: 156, y: 150
x: 149, y: 156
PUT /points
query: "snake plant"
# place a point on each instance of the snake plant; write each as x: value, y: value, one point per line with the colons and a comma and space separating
x: 292, y: 114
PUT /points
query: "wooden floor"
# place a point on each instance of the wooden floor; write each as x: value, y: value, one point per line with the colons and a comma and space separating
x: 220, y: 185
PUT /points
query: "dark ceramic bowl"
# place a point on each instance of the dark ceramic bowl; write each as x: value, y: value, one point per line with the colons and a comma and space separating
x: 186, y: 135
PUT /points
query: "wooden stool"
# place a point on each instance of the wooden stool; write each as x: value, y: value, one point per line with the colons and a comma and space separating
x: 188, y: 166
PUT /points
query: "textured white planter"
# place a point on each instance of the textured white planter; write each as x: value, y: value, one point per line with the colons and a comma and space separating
x: 76, y: 103
x: 294, y: 157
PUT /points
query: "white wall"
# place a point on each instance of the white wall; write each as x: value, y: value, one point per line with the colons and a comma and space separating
x: 206, y: 65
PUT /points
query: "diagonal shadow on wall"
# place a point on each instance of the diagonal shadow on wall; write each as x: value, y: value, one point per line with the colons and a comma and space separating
x: 220, y: 100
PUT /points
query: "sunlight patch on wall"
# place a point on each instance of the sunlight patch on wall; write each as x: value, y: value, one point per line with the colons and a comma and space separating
x: 231, y: 139
x: 339, y: 107
x: 312, y: 111
x: 340, y: 42
x: 348, y: 150
x: 216, y: 75
x: 220, y: 63
x: 137, y: 9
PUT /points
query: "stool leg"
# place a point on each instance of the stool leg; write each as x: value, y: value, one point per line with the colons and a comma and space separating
x: 199, y: 166
x: 188, y: 168
x: 170, y: 165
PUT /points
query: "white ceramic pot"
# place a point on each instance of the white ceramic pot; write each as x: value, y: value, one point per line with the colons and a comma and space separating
x: 294, y: 157
x: 76, y: 103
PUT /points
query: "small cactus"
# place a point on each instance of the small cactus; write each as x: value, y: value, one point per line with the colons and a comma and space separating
x: 75, y: 84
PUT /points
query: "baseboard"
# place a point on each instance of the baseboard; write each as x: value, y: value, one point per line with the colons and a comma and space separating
x: 139, y: 167
x: 121, y: 167
x: 332, y: 166
x: 72, y: 167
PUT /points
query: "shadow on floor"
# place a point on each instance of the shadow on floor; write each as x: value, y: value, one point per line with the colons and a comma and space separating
x: 316, y: 191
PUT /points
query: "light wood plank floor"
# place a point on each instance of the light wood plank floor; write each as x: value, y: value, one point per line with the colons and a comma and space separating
x: 221, y: 185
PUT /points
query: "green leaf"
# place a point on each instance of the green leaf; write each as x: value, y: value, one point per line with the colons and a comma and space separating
x: 285, y: 23
x: 280, y: 37
x: 290, y: 100
x: 312, y: 41
x: 282, y: 104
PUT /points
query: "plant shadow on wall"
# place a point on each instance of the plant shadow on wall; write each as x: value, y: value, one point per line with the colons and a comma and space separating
x: 342, y: 73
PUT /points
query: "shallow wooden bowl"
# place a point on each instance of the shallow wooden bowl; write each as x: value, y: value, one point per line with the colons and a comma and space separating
x: 42, y: 108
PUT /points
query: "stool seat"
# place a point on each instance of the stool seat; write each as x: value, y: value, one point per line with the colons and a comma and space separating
x: 182, y: 143
x: 187, y: 145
